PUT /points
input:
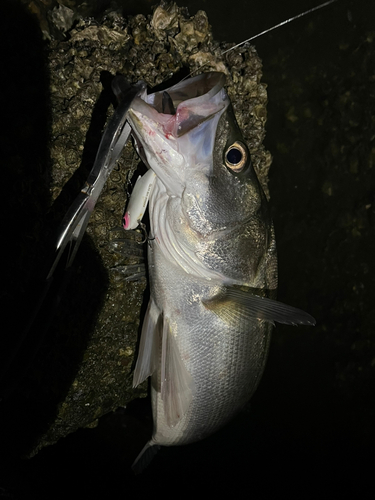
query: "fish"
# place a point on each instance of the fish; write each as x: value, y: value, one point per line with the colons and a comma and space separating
x: 227, y: 295
x: 212, y: 262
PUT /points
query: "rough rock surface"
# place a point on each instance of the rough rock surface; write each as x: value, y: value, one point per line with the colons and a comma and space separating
x: 89, y: 372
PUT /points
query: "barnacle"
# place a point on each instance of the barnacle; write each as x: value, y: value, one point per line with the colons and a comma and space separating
x: 82, y: 61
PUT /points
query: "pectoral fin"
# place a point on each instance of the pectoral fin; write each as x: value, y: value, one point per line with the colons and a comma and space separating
x: 232, y: 303
x: 177, y: 385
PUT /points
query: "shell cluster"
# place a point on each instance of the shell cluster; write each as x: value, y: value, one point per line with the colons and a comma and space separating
x: 83, y: 60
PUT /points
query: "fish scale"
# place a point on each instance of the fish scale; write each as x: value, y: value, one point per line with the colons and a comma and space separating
x: 221, y: 361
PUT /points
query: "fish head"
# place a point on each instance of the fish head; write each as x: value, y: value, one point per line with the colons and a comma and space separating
x: 197, y: 151
x: 226, y: 193
x: 179, y: 142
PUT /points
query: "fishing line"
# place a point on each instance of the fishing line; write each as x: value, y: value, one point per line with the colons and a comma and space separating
x: 313, y: 9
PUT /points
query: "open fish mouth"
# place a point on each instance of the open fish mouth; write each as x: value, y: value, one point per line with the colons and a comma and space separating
x: 183, y: 107
x: 170, y: 125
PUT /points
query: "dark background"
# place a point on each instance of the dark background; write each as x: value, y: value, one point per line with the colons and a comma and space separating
x: 309, y: 430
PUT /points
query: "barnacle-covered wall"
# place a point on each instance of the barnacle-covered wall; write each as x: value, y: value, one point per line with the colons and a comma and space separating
x: 89, y: 365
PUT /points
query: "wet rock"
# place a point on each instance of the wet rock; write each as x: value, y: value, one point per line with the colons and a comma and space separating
x: 95, y: 362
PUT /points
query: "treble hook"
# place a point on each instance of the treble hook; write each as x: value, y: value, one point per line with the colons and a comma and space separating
x: 144, y: 229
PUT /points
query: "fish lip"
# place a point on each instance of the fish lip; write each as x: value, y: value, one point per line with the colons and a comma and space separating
x: 140, y: 107
x: 147, y: 122
x: 134, y: 121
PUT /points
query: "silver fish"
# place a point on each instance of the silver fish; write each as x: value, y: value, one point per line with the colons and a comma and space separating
x: 212, y: 262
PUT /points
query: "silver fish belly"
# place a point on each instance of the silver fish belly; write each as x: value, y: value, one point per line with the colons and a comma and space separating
x: 212, y: 262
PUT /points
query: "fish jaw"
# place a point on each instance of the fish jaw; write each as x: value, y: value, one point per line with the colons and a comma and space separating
x: 158, y: 148
x: 177, y: 145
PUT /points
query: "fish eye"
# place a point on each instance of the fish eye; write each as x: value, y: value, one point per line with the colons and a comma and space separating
x: 236, y: 157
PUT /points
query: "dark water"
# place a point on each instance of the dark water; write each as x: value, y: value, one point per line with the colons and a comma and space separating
x: 309, y: 430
